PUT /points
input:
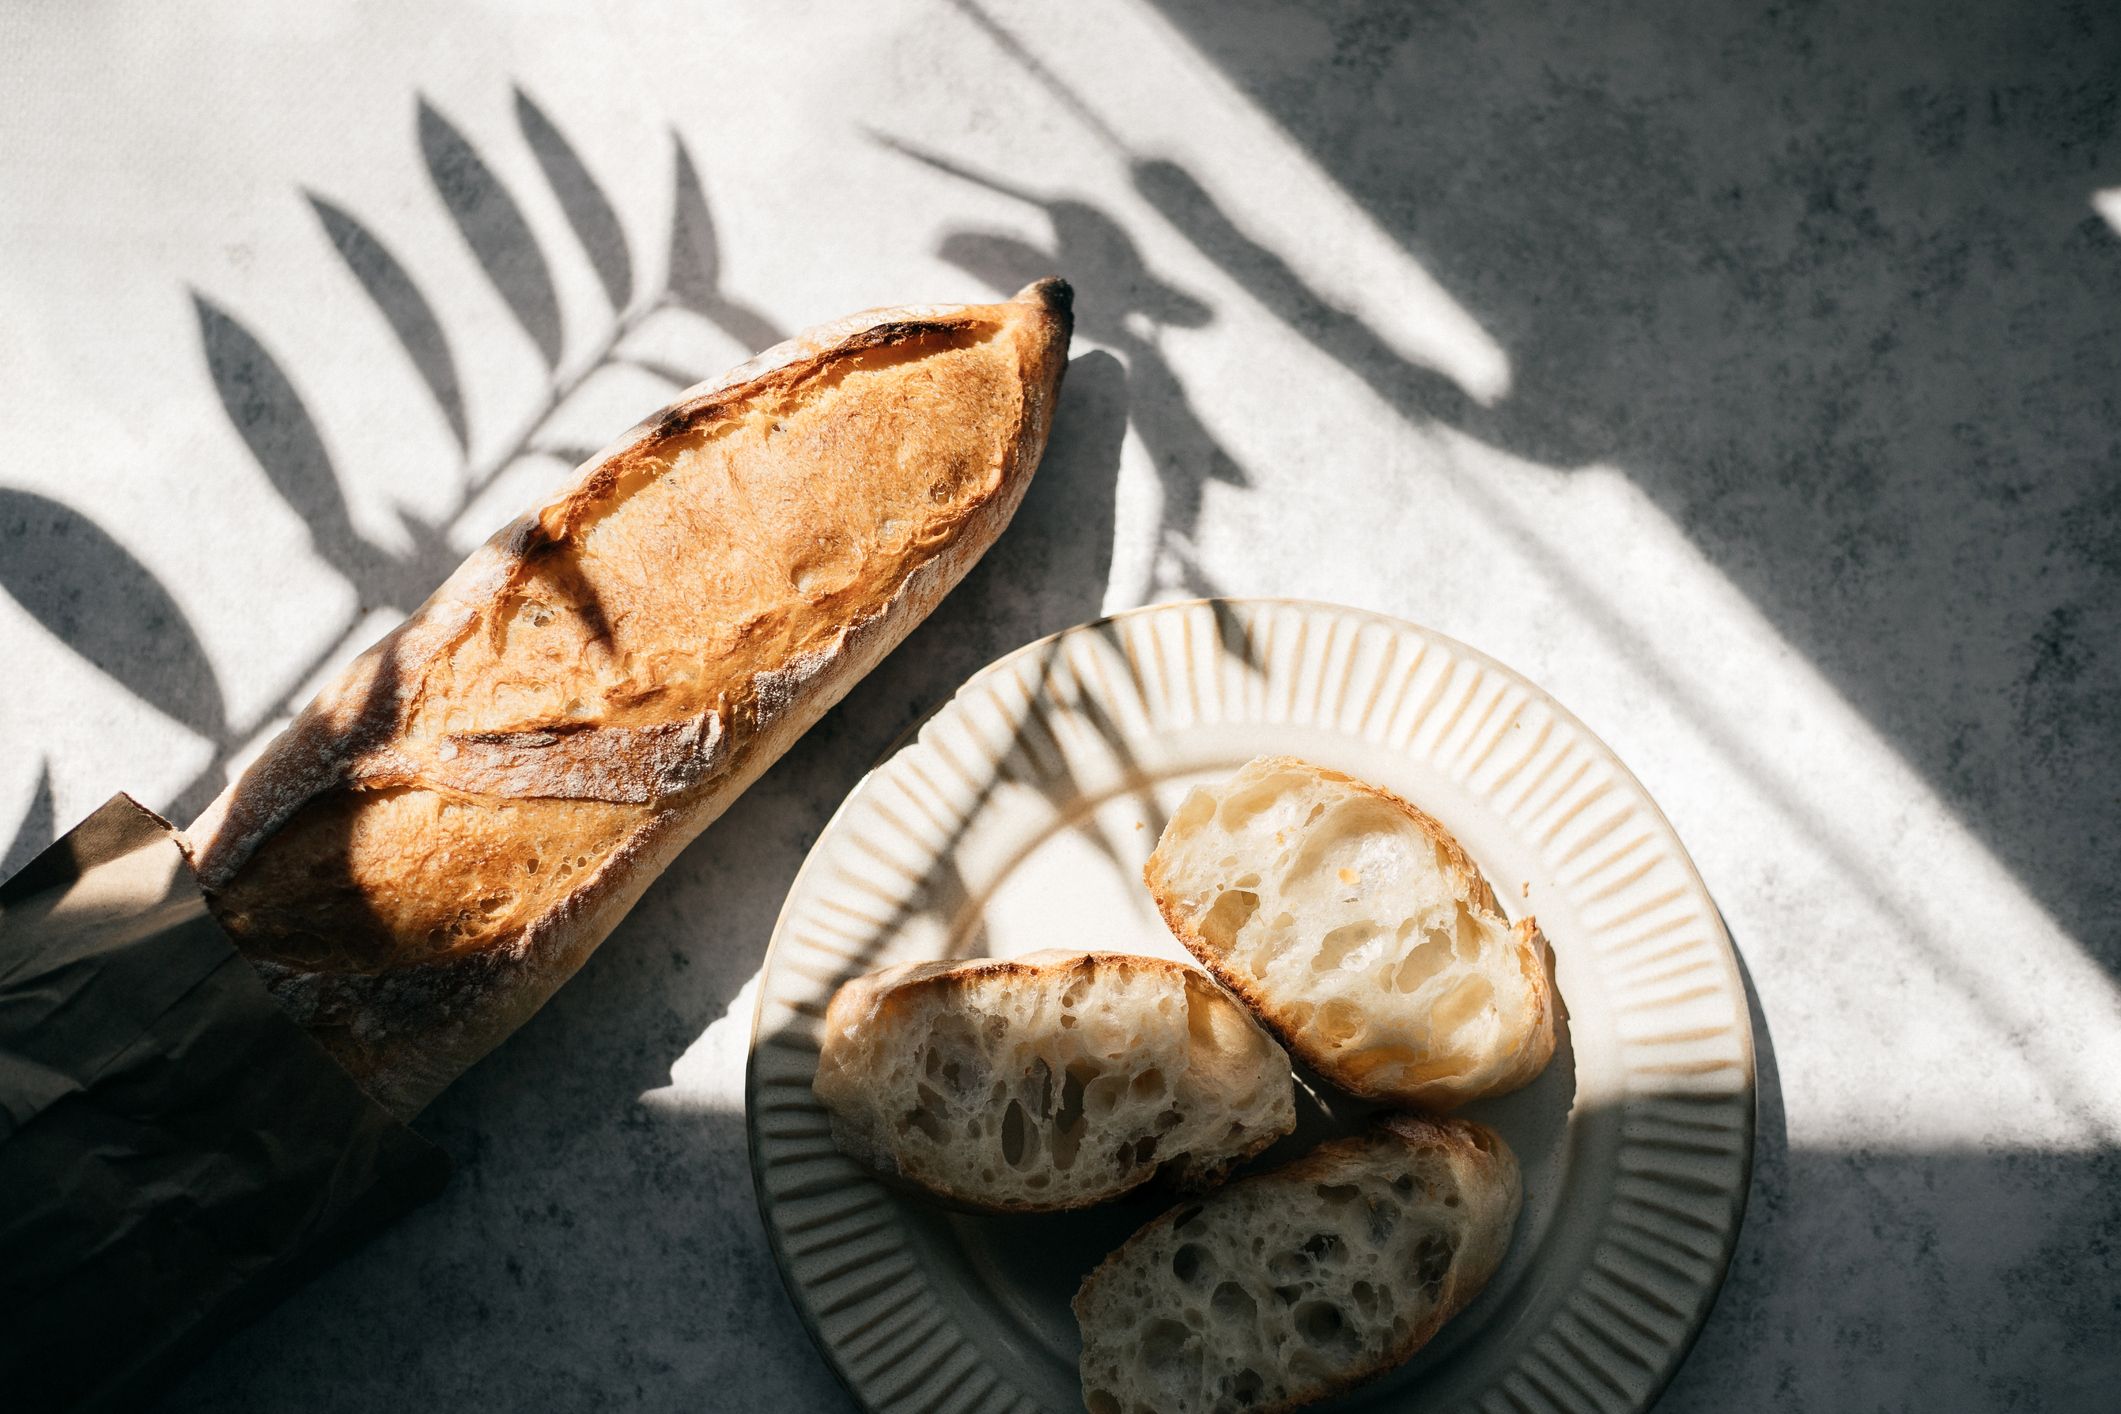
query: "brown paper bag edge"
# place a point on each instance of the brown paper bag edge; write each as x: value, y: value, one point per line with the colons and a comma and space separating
x: 86, y: 920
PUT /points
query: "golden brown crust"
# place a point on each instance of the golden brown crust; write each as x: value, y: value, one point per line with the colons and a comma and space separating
x: 1533, y: 956
x: 446, y: 831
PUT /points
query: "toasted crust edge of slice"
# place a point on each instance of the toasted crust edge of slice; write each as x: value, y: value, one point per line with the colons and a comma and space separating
x: 1534, y: 958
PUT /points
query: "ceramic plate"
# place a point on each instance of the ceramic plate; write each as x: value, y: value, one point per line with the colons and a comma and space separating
x: 1019, y: 818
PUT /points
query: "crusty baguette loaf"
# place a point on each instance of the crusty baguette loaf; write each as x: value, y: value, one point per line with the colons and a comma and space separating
x: 447, y: 831
x: 1286, y: 1287
x: 1050, y: 1081
x: 1359, y: 931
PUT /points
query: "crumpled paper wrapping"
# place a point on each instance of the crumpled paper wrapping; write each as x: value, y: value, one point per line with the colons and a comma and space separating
x: 175, y: 1153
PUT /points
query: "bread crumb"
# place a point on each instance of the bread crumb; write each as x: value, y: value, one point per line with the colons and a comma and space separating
x: 1527, y: 890
x: 1349, y: 876
x: 1137, y: 824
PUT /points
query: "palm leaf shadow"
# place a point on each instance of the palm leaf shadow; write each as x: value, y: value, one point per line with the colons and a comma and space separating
x: 695, y: 253
x: 1035, y: 756
x: 493, y: 226
x: 403, y: 307
x: 36, y: 828
x: 587, y: 209
x: 695, y: 278
x: 91, y: 593
x: 1184, y: 453
x: 270, y: 416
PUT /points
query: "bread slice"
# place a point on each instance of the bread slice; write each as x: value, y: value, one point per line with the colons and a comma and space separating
x: 1359, y: 931
x: 444, y: 834
x: 1286, y: 1287
x: 1051, y: 1081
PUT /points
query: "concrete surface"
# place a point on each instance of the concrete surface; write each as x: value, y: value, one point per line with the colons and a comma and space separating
x: 1745, y: 374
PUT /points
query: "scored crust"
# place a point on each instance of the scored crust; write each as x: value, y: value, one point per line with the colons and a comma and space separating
x: 1226, y: 1083
x: 444, y: 834
x: 1524, y: 1040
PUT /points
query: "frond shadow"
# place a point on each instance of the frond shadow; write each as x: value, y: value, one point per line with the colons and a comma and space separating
x: 266, y: 411
x: 588, y: 210
x: 90, y: 592
x: 37, y: 828
x: 397, y: 297
x: 493, y: 226
x: 695, y: 265
x: 1128, y: 310
x: 93, y: 594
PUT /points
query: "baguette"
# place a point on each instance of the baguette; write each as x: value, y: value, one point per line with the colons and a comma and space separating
x: 448, y: 830
x: 1360, y: 933
x: 1286, y: 1287
x: 1052, y: 1081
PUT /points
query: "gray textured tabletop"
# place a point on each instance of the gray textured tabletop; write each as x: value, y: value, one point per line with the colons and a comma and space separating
x: 1744, y: 374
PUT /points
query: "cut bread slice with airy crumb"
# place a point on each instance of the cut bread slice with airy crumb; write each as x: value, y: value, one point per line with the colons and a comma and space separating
x: 1286, y: 1287
x: 1359, y: 931
x: 1051, y: 1081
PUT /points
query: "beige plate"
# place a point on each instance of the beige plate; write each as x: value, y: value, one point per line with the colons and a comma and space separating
x: 1019, y: 819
